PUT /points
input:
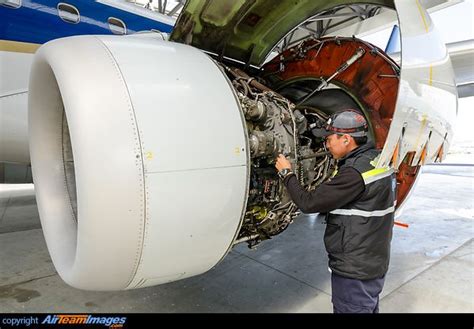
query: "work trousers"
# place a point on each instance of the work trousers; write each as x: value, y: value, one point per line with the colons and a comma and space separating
x: 355, y: 296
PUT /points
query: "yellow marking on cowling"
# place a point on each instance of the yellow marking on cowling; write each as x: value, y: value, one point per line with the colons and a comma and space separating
x: 423, y: 18
x: 422, y: 128
x: 420, y: 9
x: 18, y: 47
x: 149, y: 155
x: 237, y: 150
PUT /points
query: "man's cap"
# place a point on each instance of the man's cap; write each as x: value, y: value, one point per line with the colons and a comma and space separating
x: 349, y: 122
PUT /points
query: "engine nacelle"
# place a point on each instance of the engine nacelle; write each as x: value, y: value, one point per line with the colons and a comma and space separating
x: 140, y: 160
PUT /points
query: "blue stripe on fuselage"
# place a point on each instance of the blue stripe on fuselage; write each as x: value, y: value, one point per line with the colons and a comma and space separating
x: 37, y: 21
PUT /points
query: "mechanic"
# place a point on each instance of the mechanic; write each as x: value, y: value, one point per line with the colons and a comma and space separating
x: 359, y: 204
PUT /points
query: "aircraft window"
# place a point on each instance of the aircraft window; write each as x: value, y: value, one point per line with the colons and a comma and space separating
x: 68, y: 13
x: 14, y: 4
x: 117, y: 26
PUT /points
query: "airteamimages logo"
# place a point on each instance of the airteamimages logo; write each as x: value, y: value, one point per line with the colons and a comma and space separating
x: 53, y: 320
x: 72, y: 319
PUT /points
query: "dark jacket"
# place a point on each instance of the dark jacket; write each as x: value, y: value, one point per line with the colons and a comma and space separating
x: 359, y: 202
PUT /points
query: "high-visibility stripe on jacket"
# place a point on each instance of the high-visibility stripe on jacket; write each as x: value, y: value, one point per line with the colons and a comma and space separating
x: 358, y: 235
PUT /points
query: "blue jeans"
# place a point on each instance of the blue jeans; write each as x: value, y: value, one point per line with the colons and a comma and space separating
x: 355, y: 296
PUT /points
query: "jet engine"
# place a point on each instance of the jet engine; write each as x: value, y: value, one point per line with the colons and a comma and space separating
x: 152, y: 159
x: 146, y: 174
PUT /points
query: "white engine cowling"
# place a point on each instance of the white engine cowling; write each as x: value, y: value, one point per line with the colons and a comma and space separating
x: 140, y: 160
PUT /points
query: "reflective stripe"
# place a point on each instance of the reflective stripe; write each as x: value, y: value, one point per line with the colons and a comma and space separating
x: 363, y: 213
x: 376, y: 174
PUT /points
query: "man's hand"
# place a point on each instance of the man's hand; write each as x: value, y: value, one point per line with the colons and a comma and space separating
x: 282, y: 163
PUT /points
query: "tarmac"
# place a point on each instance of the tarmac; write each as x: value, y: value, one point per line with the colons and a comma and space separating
x: 431, y: 269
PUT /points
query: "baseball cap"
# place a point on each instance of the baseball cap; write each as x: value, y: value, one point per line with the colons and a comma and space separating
x: 349, y: 122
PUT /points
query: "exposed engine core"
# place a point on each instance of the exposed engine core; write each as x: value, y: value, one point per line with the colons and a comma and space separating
x: 276, y: 127
x: 317, y: 78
